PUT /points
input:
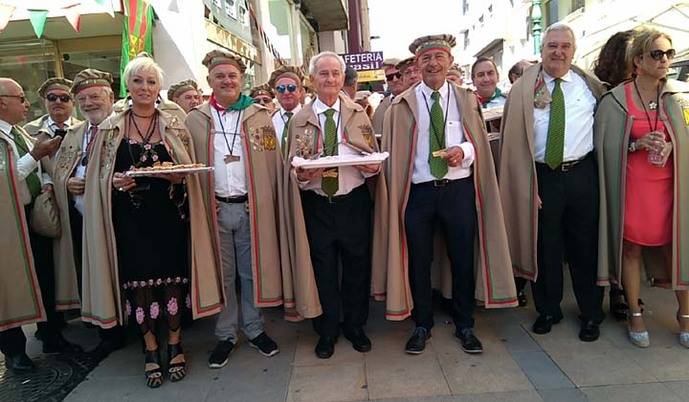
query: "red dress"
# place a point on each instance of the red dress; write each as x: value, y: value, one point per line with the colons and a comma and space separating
x: 649, y: 189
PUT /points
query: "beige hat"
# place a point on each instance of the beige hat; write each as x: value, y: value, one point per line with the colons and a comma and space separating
x: 180, y: 88
x: 54, y: 83
x: 263, y: 89
x: 390, y: 63
x: 216, y: 58
x: 286, y: 71
x: 424, y: 43
x: 90, y: 78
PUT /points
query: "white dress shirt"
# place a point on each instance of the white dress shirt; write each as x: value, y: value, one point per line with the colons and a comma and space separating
x: 80, y: 170
x: 25, y: 165
x: 579, y: 109
x: 349, y: 177
x: 230, y: 178
x: 280, y: 119
x: 454, y: 135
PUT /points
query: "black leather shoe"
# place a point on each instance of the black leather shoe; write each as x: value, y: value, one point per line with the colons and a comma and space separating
x: 58, y: 344
x: 18, y: 364
x: 590, y: 331
x: 360, y: 341
x: 521, y: 298
x: 325, y: 347
x: 544, y: 323
x: 470, y: 343
x: 417, y: 343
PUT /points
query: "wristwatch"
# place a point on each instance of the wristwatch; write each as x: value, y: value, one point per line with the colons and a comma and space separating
x: 632, y: 146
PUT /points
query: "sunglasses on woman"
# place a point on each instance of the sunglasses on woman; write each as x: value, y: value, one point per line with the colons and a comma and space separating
x: 62, y: 98
x: 657, y: 54
x: 289, y: 88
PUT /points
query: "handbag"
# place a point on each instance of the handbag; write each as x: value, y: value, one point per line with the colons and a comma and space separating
x: 45, y: 217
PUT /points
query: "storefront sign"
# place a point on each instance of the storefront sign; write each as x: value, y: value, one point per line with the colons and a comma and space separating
x: 364, y: 61
x: 372, y: 75
x: 226, y: 39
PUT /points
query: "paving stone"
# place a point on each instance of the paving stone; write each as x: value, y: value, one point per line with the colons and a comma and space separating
x: 341, y: 382
x: 541, y: 370
x: 631, y: 393
x: 405, y: 376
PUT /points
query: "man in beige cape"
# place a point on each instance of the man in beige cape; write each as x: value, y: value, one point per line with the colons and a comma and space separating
x: 237, y: 138
x: 441, y: 171
x: 21, y: 301
x: 330, y: 209
x: 394, y: 80
x: 549, y: 182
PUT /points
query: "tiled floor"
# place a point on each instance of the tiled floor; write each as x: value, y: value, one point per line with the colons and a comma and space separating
x: 517, y: 365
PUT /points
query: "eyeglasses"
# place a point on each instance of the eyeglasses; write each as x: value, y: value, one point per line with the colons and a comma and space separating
x: 62, y: 98
x: 657, y: 54
x: 289, y: 88
x: 391, y: 77
x: 263, y: 101
x: 21, y: 98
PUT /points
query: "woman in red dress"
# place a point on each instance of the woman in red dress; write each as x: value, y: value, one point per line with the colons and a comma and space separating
x: 638, y: 175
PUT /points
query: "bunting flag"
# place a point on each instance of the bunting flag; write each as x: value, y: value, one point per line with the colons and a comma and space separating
x: 5, y: 15
x: 38, y: 18
x: 73, y: 17
x: 136, y: 34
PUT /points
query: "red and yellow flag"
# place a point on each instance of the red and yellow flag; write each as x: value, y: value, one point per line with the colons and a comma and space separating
x: 136, y: 33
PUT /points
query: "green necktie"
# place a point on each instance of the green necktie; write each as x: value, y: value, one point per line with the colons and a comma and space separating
x: 32, y: 180
x: 437, y: 134
x: 330, y: 180
x: 284, y: 133
x: 555, y: 144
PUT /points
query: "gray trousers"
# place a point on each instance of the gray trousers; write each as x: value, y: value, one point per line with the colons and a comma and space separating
x: 235, y: 250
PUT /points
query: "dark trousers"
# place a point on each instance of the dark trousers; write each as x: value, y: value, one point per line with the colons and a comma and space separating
x: 453, y: 208
x: 568, y: 223
x: 340, y: 229
x: 12, y: 342
x: 75, y: 224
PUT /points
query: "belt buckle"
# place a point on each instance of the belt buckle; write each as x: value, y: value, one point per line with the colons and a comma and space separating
x: 440, y: 183
x: 567, y: 166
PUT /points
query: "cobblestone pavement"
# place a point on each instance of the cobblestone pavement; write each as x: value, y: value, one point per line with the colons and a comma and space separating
x: 517, y: 365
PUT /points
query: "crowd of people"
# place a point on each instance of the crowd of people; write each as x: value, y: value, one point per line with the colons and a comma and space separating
x: 573, y: 170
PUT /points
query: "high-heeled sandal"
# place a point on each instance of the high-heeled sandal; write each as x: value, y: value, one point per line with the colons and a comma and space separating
x: 176, y: 371
x: 683, y: 335
x: 154, y: 377
x: 638, y: 338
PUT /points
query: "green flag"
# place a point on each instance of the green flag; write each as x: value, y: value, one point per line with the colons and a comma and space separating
x: 38, y: 18
x: 136, y: 34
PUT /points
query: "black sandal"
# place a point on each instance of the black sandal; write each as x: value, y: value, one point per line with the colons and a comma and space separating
x: 176, y: 371
x: 154, y: 377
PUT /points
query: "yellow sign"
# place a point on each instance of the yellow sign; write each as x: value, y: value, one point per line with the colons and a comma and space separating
x: 371, y: 75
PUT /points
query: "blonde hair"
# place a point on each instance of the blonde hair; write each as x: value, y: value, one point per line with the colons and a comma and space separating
x: 140, y: 64
x: 643, y: 40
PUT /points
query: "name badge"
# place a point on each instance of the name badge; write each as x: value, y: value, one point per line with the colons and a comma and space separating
x: 231, y: 158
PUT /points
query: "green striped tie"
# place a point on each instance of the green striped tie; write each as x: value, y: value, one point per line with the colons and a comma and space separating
x: 32, y: 180
x: 555, y: 144
x: 437, y: 133
x: 284, y: 133
x: 330, y: 179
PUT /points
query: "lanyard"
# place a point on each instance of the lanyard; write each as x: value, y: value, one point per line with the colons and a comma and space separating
x: 230, y: 148
x: 653, y: 127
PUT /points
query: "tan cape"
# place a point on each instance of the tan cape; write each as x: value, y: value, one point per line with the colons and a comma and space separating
x: 494, y: 282
x: 35, y: 127
x: 518, y: 182
x: 613, y: 125
x: 356, y: 130
x: 20, y: 295
x: 102, y: 302
x: 379, y: 114
x: 66, y: 160
x: 263, y: 167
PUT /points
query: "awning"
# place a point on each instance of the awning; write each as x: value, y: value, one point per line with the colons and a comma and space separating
x: 331, y: 15
x: 671, y: 19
